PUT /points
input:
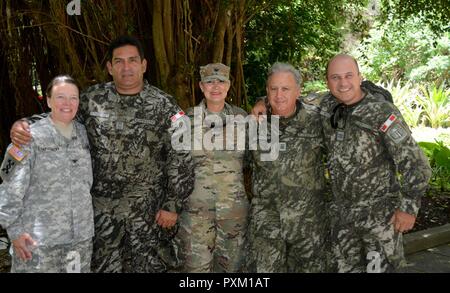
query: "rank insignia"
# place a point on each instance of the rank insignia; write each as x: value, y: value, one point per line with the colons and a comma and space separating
x: 119, y: 125
x: 340, y: 135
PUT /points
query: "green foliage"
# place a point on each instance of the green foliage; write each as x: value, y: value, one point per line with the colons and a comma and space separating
x: 304, y: 33
x: 407, y: 50
x: 433, y: 13
x: 435, y: 102
x: 419, y: 104
x: 439, y: 158
x: 405, y: 98
x: 314, y: 87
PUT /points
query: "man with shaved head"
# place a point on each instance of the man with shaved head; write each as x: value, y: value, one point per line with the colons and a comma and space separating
x: 378, y: 172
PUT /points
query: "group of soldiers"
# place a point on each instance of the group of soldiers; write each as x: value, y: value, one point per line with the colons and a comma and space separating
x: 157, y: 209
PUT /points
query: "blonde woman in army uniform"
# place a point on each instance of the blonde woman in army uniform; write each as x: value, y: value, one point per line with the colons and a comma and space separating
x: 214, y: 223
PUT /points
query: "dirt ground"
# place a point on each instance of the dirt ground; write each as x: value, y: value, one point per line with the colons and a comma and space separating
x: 434, y: 210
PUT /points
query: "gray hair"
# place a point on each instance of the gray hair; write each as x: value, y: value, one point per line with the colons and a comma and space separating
x: 285, y: 67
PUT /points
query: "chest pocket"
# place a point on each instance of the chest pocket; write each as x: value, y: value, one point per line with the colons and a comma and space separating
x: 99, y: 125
x: 364, y: 145
x: 99, y: 121
x: 302, y: 159
x: 305, y: 147
x: 50, y: 159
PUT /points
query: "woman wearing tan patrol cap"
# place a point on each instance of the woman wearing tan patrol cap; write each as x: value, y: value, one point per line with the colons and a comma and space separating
x: 213, y: 225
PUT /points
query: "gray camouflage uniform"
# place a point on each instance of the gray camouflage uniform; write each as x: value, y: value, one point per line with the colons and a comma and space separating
x: 287, y: 222
x: 214, y: 223
x: 136, y: 173
x: 47, y: 195
x: 366, y: 151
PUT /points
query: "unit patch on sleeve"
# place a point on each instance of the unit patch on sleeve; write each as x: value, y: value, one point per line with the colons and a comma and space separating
x: 397, y: 133
x: 7, y: 168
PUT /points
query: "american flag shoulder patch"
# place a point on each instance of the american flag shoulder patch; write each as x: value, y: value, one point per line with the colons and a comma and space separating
x: 16, y: 153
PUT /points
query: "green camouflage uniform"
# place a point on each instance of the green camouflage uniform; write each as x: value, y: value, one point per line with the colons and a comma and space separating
x: 136, y: 173
x: 370, y: 145
x: 287, y: 223
x: 47, y: 195
x: 214, y: 223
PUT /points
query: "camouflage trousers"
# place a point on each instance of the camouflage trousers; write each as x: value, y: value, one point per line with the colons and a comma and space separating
x: 212, y: 245
x: 367, y: 245
x: 67, y: 258
x: 273, y: 247
x: 265, y: 255
x: 125, y: 244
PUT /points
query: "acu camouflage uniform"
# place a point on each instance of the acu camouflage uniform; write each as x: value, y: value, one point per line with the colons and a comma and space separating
x: 287, y: 223
x: 136, y: 173
x: 214, y: 223
x: 363, y: 159
x: 47, y: 195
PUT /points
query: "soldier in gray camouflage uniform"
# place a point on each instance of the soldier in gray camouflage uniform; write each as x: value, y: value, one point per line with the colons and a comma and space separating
x: 287, y: 223
x: 369, y: 144
x: 45, y: 203
x: 214, y: 223
x: 140, y: 181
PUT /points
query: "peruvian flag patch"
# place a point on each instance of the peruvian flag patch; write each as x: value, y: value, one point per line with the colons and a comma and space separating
x: 177, y: 116
x: 388, y: 123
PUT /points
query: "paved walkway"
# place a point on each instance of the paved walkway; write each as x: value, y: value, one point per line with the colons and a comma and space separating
x: 432, y: 260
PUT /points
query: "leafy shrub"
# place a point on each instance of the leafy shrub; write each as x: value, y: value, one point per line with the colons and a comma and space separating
x: 435, y: 102
x: 405, y: 98
x: 419, y: 104
x: 407, y: 50
x: 439, y: 158
x: 314, y: 87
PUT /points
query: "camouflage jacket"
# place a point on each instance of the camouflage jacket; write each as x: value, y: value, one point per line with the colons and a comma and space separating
x: 47, y: 194
x: 133, y: 160
x: 291, y: 188
x: 219, y: 167
x: 370, y: 145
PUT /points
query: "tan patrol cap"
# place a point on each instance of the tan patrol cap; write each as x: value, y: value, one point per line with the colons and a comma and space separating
x: 214, y: 71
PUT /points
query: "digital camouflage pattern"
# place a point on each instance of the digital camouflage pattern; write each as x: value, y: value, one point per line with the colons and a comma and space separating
x: 287, y: 224
x: 68, y: 258
x: 370, y: 145
x: 136, y: 173
x: 214, y: 223
x: 214, y: 71
x: 47, y: 194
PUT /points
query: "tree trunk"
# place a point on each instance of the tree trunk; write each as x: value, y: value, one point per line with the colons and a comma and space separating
x: 163, y: 66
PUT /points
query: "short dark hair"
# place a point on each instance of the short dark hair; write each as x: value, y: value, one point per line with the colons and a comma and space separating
x: 125, y: 40
x: 61, y: 79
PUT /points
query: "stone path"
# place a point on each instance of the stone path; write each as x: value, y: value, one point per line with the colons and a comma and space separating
x: 431, y: 260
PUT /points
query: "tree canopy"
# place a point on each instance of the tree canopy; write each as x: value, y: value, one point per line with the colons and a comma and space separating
x: 39, y: 39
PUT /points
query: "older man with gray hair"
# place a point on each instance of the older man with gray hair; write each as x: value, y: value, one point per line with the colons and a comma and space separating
x: 288, y: 224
